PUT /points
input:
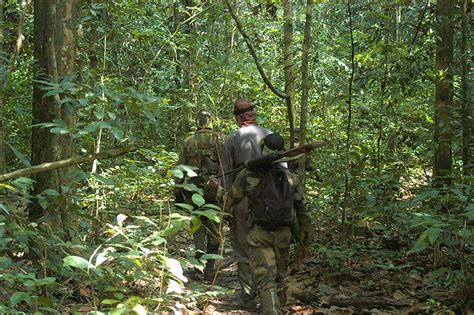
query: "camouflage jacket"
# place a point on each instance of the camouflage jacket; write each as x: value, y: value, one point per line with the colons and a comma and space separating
x: 202, y: 150
x: 245, y: 185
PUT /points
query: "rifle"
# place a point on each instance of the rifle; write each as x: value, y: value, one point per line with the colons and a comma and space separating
x: 267, y: 160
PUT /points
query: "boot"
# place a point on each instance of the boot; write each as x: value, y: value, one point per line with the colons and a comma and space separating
x: 270, y: 302
x: 209, y: 270
x: 248, y: 293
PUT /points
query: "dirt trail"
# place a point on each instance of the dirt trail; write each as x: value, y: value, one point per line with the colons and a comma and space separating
x: 367, y: 278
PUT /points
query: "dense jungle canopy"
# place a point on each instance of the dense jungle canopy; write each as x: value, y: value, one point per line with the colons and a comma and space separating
x: 105, y: 92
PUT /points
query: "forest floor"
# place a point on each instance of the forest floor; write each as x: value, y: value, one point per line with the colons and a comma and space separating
x: 371, y: 275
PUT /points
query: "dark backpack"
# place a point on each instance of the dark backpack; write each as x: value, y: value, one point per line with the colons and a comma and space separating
x: 273, y: 206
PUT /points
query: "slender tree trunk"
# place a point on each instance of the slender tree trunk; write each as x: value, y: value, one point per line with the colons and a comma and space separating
x: 177, y: 23
x: 466, y: 107
x: 45, y: 145
x: 289, y: 66
x: 305, y: 82
x: 347, y: 191
x: 65, y: 43
x: 253, y: 52
x: 3, y: 160
x: 398, y: 20
x: 442, y: 163
x: 383, y: 86
x: 55, y: 55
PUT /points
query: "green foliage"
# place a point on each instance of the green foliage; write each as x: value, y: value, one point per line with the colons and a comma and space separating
x: 144, y: 70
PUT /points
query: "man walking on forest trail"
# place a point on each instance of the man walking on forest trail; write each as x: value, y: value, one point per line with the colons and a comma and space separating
x: 239, y: 147
x: 277, y: 204
x: 203, y: 150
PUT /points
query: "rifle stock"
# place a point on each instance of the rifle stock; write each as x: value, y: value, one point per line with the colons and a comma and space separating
x: 268, y: 159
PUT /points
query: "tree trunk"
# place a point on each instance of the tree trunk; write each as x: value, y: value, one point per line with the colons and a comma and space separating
x: 3, y: 160
x: 347, y: 192
x: 54, y: 52
x: 383, y: 86
x: 466, y: 107
x: 44, y: 144
x: 305, y: 83
x: 289, y: 66
x: 442, y: 163
x: 65, y: 43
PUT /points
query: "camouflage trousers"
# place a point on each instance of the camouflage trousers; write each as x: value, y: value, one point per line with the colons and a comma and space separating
x: 239, y: 230
x: 206, y: 240
x: 269, y: 251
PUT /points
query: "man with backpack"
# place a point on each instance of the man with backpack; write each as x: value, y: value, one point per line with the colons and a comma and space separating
x: 240, y: 146
x: 202, y: 150
x: 276, y: 204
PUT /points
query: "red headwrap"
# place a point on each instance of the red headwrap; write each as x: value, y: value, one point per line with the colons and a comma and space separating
x: 243, y: 109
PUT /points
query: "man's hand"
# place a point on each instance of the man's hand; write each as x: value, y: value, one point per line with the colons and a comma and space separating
x: 213, y: 188
x: 214, y: 182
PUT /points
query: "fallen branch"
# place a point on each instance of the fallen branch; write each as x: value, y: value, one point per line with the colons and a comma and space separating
x: 367, y: 302
x: 67, y: 162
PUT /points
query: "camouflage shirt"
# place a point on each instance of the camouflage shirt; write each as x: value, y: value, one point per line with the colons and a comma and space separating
x: 202, y: 150
x: 245, y: 186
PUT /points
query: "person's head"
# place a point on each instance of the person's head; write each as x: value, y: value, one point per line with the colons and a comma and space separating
x: 273, y: 142
x: 204, y: 119
x: 244, y: 113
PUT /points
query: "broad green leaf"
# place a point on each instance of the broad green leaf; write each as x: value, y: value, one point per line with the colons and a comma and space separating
x: 105, y: 180
x: 118, y: 133
x: 139, y: 309
x: 112, y: 115
x: 210, y: 214
x: 155, y: 239
x: 51, y: 192
x: 7, y: 187
x: 59, y: 130
x: 77, y: 262
x: 110, y: 302
x: 433, y: 234
x: 177, y: 173
x: 185, y: 206
x: 212, y: 206
x: 174, y: 267
x: 19, y: 155
x: 192, y: 188
x: 104, y: 256
x: 196, y: 223
x: 211, y: 256
x: 51, y: 92
x: 190, y: 170
x: 437, y: 273
x: 4, y: 209
x: 371, y: 201
x: 45, y: 281
x: 198, y: 200
x: 42, y: 201
x: 173, y: 228
x: 465, y: 233
x: 43, y: 301
x: 421, y: 244
x: 105, y: 125
x: 470, y: 212
x: 145, y: 219
x: 18, y: 297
